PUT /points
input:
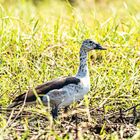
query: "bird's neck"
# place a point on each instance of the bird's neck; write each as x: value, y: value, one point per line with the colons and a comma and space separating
x: 83, y: 67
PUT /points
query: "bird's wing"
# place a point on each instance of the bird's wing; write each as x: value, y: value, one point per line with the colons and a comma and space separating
x: 41, y: 90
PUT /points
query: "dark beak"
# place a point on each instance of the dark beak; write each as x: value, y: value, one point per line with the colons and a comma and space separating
x: 99, y: 47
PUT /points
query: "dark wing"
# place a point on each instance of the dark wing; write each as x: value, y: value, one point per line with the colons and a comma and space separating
x: 43, y: 89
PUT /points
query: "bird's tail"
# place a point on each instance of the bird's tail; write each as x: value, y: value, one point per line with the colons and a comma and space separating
x: 14, y: 104
x: 10, y: 107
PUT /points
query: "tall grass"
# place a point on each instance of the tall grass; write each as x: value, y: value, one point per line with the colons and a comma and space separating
x: 41, y: 42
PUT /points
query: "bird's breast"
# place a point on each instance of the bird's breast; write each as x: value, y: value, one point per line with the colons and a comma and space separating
x: 85, y: 83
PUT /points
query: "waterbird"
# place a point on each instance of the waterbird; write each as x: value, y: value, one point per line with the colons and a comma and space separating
x: 63, y: 91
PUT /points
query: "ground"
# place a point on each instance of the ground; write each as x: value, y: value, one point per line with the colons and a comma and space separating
x: 40, y: 41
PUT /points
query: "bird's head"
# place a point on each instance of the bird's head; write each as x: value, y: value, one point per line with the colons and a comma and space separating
x: 89, y: 45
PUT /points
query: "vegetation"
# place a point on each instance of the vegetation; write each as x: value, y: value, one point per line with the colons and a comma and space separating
x: 40, y: 42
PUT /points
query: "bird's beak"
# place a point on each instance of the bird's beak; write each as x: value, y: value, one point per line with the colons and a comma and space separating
x: 99, y: 47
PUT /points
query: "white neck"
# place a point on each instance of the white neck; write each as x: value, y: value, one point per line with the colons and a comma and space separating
x: 83, y: 68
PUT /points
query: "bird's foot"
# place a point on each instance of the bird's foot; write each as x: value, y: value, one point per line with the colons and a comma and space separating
x: 54, y: 112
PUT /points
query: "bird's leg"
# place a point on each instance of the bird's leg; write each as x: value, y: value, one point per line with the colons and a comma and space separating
x: 54, y: 112
x: 66, y: 109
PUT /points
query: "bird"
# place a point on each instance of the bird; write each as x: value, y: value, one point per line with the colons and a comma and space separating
x: 63, y: 91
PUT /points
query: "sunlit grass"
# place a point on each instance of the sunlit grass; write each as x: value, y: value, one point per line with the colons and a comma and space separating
x: 41, y: 42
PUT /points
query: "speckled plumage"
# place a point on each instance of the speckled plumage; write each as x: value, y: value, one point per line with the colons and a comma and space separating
x: 63, y: 91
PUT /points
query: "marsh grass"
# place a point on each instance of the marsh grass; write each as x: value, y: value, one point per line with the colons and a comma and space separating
x: 41, y: 42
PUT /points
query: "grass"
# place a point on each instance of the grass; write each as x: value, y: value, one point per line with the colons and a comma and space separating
x: 41, y: 42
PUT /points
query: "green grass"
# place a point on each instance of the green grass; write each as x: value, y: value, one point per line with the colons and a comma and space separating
x: 41, y: 42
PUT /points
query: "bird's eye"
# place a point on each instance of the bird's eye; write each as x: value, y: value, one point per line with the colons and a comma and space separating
x: 90, y: 42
